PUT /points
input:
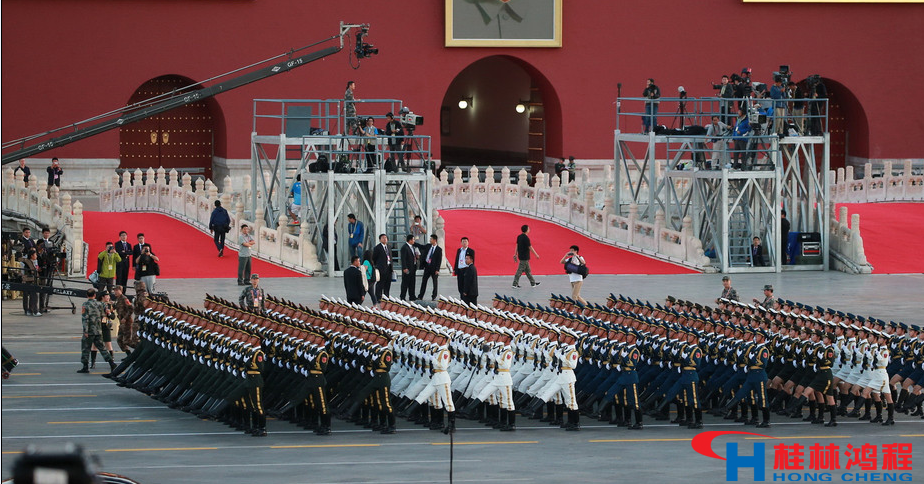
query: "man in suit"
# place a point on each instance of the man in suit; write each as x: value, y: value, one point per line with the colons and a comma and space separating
x: 431, y: 266
x: 460, y: 264
x: 409, y: 256
x: 26, y: 241
x: 124, y: 249
x: 354, y: 281
x: 470, y: 281
x: 381, y: 258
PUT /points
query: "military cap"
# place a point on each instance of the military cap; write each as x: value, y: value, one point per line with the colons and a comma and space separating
x: 768, y: 287
x: 671, y: 299
x: 860, y: 319
x: 726, y: 278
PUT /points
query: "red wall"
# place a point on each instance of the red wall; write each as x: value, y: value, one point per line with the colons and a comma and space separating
x: 65, y: 60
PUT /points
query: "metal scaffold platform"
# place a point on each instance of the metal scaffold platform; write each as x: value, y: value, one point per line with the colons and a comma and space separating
x: 310, y: 173
x: 731, y: 192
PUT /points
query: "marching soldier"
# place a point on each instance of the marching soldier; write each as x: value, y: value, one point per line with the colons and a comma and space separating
x: 92, y: 319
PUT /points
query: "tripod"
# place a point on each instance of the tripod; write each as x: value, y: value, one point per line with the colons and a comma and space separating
x: 681, y: 113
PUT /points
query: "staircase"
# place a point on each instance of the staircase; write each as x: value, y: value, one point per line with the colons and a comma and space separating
x: 398, y: 222
x: 739, y: 229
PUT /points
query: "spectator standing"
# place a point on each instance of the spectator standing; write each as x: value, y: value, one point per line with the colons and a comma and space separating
x: 522, y: 255
x: 220, y: 225
x: 797, y: 107
x: 394, y: 130
x: 651, y: 93
x: 91, y: 314
x: 26, y: 172
x: 295, y: 207
x: 253, y: 296
x: 381, y: 257
x: 243, y: 255
x: 461, y: 263
x: 108, y: 260
x: 370, y: 132
x: 148, y: 269
x: 431, y: 266
x: 740, y: 139
x: 354, y: 282
x: 419, y: 231
x: 26, y: 241
x: 757, y: 253
x: 726, y: 91
x: 470, y: 281
x: 372, y: 276
x: 349, y: 108
x: 357, y: 234
x: 777, y: 93
x: 784, y: 235
x: 716, y: 133
x: 47, y: 262
x: 576, y: 279
x: 30, y: 275
x: 127, y: 336
x: 124, y: 249
x: 54, y: 174
x: 409, y: 256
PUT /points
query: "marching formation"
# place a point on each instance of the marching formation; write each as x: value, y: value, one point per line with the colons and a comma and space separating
x: 432, y: 365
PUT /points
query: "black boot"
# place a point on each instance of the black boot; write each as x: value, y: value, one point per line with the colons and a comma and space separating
x: 878, y: 417
x: 84, y: 369
x: 856, y: 407
x: 833, y: 412
x: 451, y: 425
x: 638, y: 421
x: 436, y: 419
x: 891, y: 419
x: 511, y: 423
x: 697, y: 423
x: 574, y: 420
x: 867, y: 406
x: 765, y: 421
x: 558, y: 412
x: 811, y: 415
x: 93, y: 358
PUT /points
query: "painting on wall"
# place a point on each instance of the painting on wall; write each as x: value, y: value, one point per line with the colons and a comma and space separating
x: 503, y: 23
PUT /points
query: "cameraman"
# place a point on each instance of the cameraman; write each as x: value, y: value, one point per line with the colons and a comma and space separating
x: 817, y: 90
x: 797, y: 106
x: 394, y: 130
x: 743, y: 89
x: 652, y: 93
x: 726, y: 91
x: 108, y: 259
x: 779, y: 106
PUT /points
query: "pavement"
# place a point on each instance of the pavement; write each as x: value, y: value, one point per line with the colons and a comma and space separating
x: 46, y: 405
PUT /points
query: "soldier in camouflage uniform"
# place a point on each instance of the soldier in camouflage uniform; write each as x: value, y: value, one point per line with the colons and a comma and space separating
x: 92, y: 318
x: 128, y: 332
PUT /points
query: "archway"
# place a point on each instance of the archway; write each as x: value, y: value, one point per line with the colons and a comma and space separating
x: 184, y: 138
x: 847, y: 125
x: 490, y: 130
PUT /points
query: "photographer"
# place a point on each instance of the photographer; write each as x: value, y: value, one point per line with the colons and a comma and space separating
x: 716, y: 133
x: 572, y: 258
x: 796, y: 107
x: 652, y: 92
x: 779, y: 106
x: 30, y: 275
x: 108, y: 259
x: 817, y: 90
x: 394, y: 130
x: 744, y: 89
x: 726, y: 91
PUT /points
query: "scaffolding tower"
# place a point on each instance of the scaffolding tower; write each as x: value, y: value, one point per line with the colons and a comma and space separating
x: 306, y: 135
x: 733, y: 199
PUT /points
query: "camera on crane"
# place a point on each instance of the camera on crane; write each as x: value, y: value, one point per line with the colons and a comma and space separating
x: 364, y: 49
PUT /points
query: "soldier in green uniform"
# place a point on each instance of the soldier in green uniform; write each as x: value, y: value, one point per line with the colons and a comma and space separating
x: 92, y: 319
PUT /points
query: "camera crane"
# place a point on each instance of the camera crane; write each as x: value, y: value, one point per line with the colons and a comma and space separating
x: 165, y: 102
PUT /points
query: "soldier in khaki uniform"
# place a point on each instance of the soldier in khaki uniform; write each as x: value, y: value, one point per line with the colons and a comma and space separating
x: 92, y: 319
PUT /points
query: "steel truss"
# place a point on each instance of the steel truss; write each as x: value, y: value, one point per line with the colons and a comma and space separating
x: 728, y: 206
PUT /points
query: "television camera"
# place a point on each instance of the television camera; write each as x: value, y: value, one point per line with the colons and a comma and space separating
x: 364, y: 49
x: 409, y: 119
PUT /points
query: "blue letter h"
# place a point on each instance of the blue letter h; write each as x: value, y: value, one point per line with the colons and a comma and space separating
x: 734, y: 461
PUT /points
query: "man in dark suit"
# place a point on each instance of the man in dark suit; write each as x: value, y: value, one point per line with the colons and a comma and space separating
x: 381, y: 259
x: 470, y: 281
x: 354, y: 281
x: 26, y: 241
x: 459, y: 262
x: 432, y: 260
x: 409, y: 256
x: 124, y: 249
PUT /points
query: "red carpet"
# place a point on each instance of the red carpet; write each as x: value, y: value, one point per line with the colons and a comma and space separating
x: 493, y: 236
x: 184, y: 252
x: 892, y: 234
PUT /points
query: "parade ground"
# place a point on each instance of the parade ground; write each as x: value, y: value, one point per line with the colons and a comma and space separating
x: 46, y: 405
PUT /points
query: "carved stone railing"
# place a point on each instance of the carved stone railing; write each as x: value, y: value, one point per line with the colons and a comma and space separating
x: 571, y: 204
x: 168, y: 193
x: 847, y: 244
x: 50, y: 208
x: 895, y: 184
